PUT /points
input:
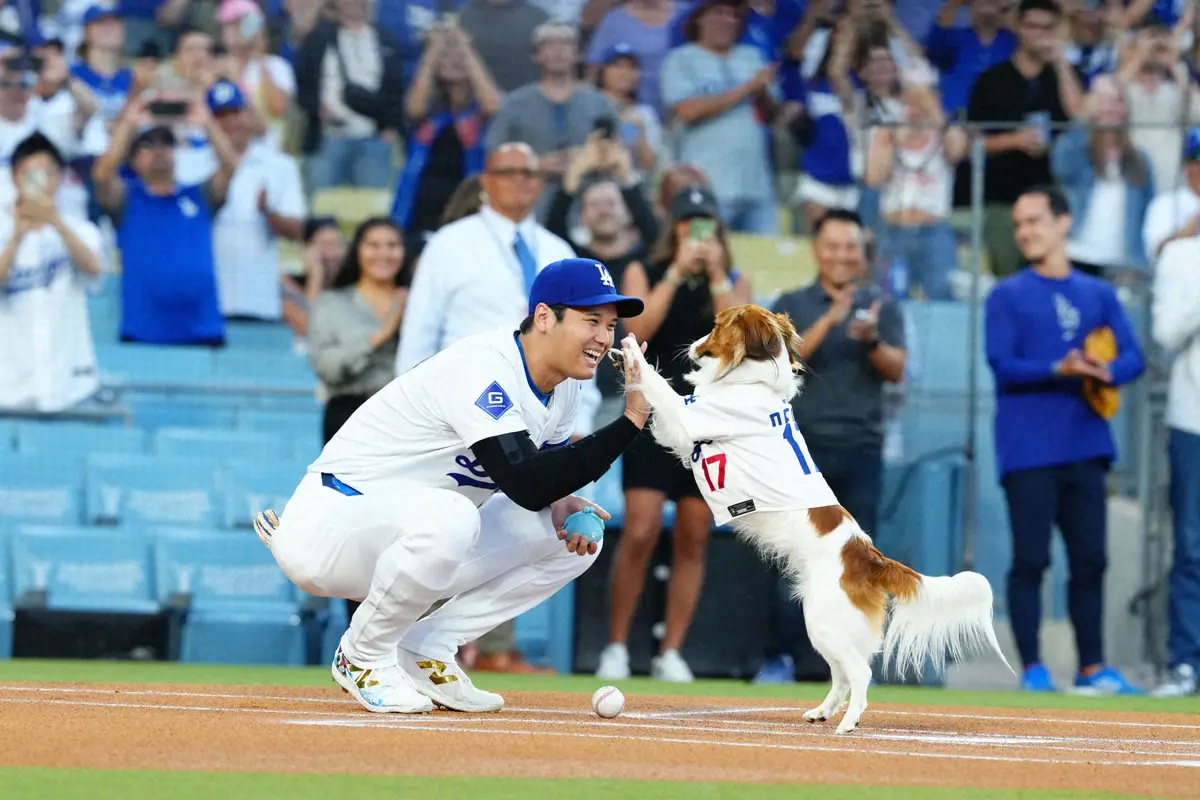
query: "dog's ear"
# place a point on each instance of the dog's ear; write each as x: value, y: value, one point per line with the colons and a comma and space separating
x: 763, y: 334
x: 792, y: 340
x: 726, y: 342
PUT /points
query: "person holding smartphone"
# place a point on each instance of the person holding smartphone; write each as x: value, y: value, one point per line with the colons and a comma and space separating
x: 688, y: 280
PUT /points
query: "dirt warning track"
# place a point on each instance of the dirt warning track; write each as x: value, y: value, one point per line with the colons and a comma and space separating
x: 271, y: 729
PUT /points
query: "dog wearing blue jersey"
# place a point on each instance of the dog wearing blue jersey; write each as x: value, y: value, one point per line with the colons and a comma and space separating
x: 751, y: 463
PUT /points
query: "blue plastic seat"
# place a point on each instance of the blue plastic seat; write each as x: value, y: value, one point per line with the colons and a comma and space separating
x: 151, y: 489
x: 268, y: 336
x: 221, y: 444
x: 74, y: 568
x: 8, y: 436
x: 156, y: 364
x: 192, y: 411
x: 78, y: 437
x: 6, y: 605
x: 236, y: 605
x: 264, y: 368
x: 247, y: 488
x: 608, y: 494
x: 41, y: 488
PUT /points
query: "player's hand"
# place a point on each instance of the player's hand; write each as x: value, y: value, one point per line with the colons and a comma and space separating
x: 637, y: 407
x: 1076, y: 365
x: 561, y: 509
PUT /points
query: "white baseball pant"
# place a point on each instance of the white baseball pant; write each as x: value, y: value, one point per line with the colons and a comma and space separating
x: 402, y: 547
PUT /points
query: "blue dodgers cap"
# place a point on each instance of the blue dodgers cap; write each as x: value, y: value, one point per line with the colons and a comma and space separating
x: 1191, y: 145
x: 619, y: 50
x: 225, y: 96
x: 580, y: 283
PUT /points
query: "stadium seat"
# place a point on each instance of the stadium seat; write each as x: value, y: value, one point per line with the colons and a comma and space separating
x: 82, y: 569
x: 192, y: 411
x: 6, y: 606
x: 235, y: 605
x: 8, y: 436
x: 155, y: 364
x: 41, y: 488
x: 221, y: 444
x: 247, y: 488
x: 275, y: 337
x: 261, y: 368
x: 351, y: 205
x: 78, y: 438
x: 151, y: 489
x: 607, y: 493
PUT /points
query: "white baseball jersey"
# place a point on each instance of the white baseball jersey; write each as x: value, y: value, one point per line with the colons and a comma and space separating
x: 748, y: 453
x: 421, y: 426
x: 47, y: 361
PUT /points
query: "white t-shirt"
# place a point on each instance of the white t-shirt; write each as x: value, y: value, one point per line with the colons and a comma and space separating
x: 420, y: 427
x: 1167, y: 214
x: 282, y: 76
x: 47, y: 361
x: 749, y: 453
x: 245, y: 250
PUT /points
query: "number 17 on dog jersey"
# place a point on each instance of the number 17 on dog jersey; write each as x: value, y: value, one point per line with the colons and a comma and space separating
x: 748, y: 456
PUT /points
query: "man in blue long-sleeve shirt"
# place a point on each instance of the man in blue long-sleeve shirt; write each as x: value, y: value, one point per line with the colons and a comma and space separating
x: 1053, y: 449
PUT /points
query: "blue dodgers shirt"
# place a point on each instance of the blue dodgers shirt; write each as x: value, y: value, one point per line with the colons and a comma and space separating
x: 169, y: 283
x: 961, y: 58
x: 1032, y: 322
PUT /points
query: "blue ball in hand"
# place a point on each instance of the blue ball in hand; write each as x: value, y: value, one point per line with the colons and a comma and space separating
x: 586, y: 523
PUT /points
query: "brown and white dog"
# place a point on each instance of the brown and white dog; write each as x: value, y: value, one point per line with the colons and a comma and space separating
x: 751, y: 463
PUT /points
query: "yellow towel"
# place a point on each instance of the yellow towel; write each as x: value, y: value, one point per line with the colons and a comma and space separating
x: 1101, y: 345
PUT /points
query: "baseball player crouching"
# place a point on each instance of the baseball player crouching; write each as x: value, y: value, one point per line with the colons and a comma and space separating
x: 454, y: 481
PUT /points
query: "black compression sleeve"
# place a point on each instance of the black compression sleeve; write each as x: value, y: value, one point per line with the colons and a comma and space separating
x: 534, y: 479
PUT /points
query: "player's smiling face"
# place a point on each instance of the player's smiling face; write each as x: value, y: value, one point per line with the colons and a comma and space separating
x: 583, y: 338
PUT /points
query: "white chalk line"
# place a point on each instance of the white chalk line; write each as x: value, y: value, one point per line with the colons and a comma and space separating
x: 657, y: 715
x: 467, y: 724
x: 770, y: 745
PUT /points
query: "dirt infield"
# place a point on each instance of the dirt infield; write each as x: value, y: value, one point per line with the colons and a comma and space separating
x: 556, y: 735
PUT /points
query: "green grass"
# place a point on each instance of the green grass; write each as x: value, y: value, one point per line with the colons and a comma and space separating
x: 81, y: 784
x: 151, y: 672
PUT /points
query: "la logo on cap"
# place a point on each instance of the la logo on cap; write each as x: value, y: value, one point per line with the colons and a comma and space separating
x: 605, y: 278
x: 697, y: 198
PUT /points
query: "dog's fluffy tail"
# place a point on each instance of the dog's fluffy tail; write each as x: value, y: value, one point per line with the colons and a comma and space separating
x: 935, y: 618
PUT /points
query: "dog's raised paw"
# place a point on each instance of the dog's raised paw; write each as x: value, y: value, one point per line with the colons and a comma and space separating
x: 815, y: 715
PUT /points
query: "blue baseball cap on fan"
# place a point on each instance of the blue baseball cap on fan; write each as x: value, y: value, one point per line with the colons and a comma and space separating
x: 580, y: 283
x: 225, y: 96
x: 1191, y: 145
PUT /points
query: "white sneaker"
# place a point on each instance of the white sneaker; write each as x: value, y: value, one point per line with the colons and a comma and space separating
x: 265, y: 525
x: 670, y: 667
x: 1180, y: 682
x: 384, y: 689
x: 445, y: 683
x: 614, y: 663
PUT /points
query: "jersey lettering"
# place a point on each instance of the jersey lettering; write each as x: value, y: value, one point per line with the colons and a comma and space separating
x: 717, y: 461
x: 784, y: 419
x: 478, y: 477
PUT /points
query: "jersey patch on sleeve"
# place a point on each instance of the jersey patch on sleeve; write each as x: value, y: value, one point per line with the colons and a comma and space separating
x: 494, y: 401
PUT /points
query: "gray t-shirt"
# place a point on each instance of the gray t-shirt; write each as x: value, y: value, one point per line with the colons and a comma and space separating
x: 502, y: 34
x: 731, y: 147
x: 841, y: 401
x: 529, y: 116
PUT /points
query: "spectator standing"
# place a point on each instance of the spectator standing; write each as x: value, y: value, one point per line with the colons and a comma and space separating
x: 353, y: 325
x: 502, y: 31
x: 265, y: 204
x: 1162, y: 96
x: 48, y: 260
x: 350, y: 84
x: 555, y: 115
x: 268, y: 82
x: 100, y: 65
x: 1037, y: 87
x: 641, y: 28
x: 164, y: 229
x: 1176, y: 321
x: 1175, y: 213
x: 448, y: 107
x: 913, y: 166
x: 1109, y: 185
x: 853, y: 342
x: 962, y: 54
x: 640, y: 128
x: 688, y: 280
x: 721, y: 92
x: 1053, y: 443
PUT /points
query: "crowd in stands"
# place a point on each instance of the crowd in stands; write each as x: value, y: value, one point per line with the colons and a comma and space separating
x: 182, y: 145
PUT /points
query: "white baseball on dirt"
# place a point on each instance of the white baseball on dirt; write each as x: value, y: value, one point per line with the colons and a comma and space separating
x: 608, y: 702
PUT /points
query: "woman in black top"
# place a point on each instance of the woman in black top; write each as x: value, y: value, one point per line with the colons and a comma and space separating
x: 686, y: 284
